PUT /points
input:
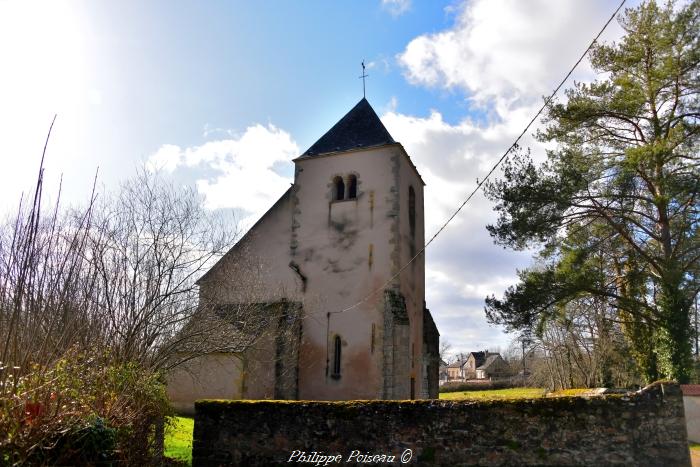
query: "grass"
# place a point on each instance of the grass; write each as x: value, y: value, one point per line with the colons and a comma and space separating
x: 694, y: 446
x: 495, y: 394
x: 178, y: 439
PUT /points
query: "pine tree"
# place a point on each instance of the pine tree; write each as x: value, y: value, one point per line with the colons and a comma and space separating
x: 623, y: 178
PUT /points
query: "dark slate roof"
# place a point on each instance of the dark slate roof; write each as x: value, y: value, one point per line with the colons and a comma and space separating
x: 479, y: 358
x: 359, y: 128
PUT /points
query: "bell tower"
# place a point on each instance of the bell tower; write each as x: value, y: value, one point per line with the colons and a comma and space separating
x: 357, y: 219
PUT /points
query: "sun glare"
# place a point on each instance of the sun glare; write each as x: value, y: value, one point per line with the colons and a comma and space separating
x: 43, y: 50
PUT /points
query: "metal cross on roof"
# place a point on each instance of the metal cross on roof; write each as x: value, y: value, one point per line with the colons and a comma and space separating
x: 363, y: 79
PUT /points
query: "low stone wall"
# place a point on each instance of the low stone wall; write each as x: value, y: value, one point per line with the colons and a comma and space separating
x: 643, y: 428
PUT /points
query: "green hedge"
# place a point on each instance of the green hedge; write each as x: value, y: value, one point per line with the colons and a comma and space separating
x: 471, y: 386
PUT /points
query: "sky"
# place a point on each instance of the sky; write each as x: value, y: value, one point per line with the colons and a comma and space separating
x: 222, y: 95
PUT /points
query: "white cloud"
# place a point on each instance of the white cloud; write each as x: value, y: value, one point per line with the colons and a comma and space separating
x: 379, y: 64
x: 167, y: 158
x: 44, y: 72
x: 391, y: 106
x: 396, y: 7
x: 463, y: 265
x: 209, y: 131
x: 503, y: 55
x: 241, y: 170
x: 506, y: 50
x: 451, y: 158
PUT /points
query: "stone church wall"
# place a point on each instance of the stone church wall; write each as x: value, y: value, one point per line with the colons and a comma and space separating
x: 268, y: 369
x: 644, y: 428
x: 257, y: 269
x: 222, y: 379
x: 343, y: 248
x: 431, y: 356
x: 412, y: 279
x: 397, y: 360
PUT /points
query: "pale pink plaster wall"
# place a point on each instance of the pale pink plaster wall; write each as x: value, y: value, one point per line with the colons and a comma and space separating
x: 413, y: 277
x: 220, y: 380
x: 257, y: 269
x: 337, y: 263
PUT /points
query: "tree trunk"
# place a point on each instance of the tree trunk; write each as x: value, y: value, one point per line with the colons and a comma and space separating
x: 675, y: 349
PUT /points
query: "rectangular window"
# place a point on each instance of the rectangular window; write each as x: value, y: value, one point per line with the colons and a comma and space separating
x: 337, y: 344
x: 412, y: 210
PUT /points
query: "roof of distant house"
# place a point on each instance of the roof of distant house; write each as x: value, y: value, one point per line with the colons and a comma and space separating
x: 479, y: 358
x: 489, y: 361
x: 359, y: 128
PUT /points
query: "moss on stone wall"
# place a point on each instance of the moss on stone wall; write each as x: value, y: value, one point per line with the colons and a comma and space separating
x: 643, y: 428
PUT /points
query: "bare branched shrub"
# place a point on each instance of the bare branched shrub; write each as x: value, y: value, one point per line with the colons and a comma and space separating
x: 93, y: 302
x: 99, y: 302
x: 149, y: 245
x: 42, y: 297
x: 119, y: 274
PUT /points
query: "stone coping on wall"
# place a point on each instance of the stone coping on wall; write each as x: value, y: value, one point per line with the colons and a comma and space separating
x: 642, y: 428
x: 690, y: 389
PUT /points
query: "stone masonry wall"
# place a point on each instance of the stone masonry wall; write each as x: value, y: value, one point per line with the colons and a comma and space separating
x: 644, y: 428
x: 396, y: 342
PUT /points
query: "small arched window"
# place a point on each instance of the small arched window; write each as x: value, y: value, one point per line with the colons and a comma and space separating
x: 337, y: 345
x: 412, y: 210
x: 352, y: 187
x: 338, y: 189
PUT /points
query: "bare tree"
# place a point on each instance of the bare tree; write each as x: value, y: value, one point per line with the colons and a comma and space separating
x: 445, y: 351
x: 149, y: 245
x: 584, y: 348
x: 120, y: 274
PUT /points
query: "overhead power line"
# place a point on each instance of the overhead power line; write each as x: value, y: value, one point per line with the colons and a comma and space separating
x: 492, y: 170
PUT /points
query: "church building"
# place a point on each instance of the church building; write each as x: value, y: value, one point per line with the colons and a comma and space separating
x: 325, y: 267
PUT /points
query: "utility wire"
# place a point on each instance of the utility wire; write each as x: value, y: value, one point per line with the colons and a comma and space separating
x: 493, y: 169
